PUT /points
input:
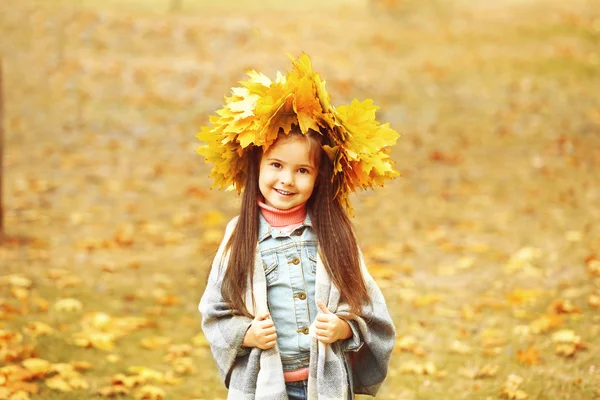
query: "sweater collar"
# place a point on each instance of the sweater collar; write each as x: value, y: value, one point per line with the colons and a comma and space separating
x: 279, y: 218
x: 265, y: 230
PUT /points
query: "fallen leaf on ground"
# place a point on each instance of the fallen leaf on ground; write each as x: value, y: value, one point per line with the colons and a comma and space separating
x: 149, y: 392
x: 529, y: 356
x: 68, y: 305
x: 487, y: 371
x: 511, y: 389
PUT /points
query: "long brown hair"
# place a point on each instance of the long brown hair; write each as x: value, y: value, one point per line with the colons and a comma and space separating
x: 333, y: 228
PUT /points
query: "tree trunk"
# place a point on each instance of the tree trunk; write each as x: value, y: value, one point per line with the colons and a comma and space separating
x: 1, y: 155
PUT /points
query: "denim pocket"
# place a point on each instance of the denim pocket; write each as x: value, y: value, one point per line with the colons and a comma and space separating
x: 270, y: 266
x: 311, y: 254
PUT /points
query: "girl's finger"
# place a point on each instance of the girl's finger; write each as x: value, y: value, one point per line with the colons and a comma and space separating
x: 321, y: 325
x: 267, y: 323
x: 323, y: 307
x: 263, y: 316
x: 322, y: 332
x: 269, y: 331
x: 322, y: 317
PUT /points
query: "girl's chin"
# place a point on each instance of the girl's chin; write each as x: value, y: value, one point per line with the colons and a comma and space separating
x: 282, y: 205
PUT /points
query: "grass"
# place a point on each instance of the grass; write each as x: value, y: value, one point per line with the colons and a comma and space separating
x: 499, y: 114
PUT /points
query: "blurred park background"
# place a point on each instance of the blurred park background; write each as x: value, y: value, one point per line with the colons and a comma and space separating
x: 487, y: 248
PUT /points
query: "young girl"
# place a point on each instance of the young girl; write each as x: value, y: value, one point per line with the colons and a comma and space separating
x: 290, y: 310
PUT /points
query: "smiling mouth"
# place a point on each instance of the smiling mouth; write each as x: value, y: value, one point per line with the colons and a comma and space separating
x: 283, y: 192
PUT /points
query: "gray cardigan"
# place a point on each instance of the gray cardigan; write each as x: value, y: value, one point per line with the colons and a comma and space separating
x: 258, y: 374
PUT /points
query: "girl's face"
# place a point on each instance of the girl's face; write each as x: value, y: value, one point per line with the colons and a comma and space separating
x: 287, y: 173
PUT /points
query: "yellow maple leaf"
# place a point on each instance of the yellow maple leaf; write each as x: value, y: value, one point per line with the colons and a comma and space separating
x: 150, y: 392
x: 65, y: 370
x: 37, y: 365
x: 16, y: 281
x: 68, y: 305
x: 545, y: 323
x: 413, y: 367
x: 81, y: 365
x: 155, y: 342
x: 529, y: 356
x: 18, y: 395
x: 98, y: 340
x: 36, y: 329
x: 594, y: 300
x: 184, y: 366
x: 523, y: 296
x: 58, y: 383
x: 562, y: 306
x: 459, y: 347
x: 487, y: 371
x: 113, y: 390
x: 146, y: 374
x: 566, y: 336
x: 511, y: 389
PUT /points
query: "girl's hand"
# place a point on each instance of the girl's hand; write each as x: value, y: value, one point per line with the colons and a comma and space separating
x: 329, y: 327
x: 261, y: 334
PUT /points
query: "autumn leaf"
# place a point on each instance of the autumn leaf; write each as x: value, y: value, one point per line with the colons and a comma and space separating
x: 487, y: 371
x: 184, y: 366
x: 529, y: 356
x: 567, y: 343
x: 37, y: 366
x: 36, y: 329
x: 113, y: 391
x: 98, y: 340
x: 150, y: 392
x: 412, y: 367
x: 561, y: 306
x: 58, y: 383
x: 594, y: 300
x: 15, y: 280
x: 459, y: 347
x: 65, y: 370
x: 155, y: 342
x: 593, y: 267
x: 178, y: 351
x: 523, y: 296
x: 126, y: 381
x: 511, y: 390
x: 68, y: 305
x: 409, y: 344
x: 545, y: 323
x: 146, y: 374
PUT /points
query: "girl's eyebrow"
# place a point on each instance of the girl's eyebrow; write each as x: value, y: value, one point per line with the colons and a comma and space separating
x: 283, y: 162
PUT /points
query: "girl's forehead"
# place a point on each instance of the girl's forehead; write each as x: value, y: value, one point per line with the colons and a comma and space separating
x: 293, y: 148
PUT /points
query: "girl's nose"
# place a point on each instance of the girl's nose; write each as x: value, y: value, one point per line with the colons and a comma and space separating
x: 287, y: 178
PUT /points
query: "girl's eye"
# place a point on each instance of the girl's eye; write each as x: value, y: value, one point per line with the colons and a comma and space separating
x: 276, y: 165
x: 303, y: 171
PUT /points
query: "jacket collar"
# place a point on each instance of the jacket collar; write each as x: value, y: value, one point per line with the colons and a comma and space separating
x: 265, y: 230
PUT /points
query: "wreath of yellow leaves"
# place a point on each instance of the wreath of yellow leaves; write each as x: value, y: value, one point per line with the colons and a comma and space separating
x: 255, y: 113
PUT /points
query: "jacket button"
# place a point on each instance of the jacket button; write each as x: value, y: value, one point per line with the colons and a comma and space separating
x: 295, y: 261
x: 305, y: 330
x: 301, y: 296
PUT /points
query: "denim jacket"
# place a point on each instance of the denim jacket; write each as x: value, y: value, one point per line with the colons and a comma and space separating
x: 290, y: 263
